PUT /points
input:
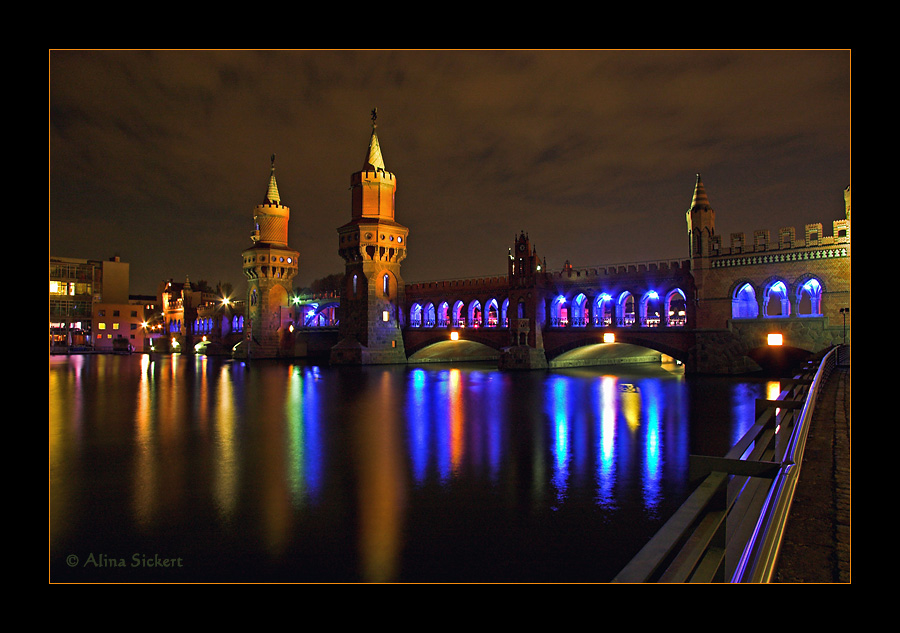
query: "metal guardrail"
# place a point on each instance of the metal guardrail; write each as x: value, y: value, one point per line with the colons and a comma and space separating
x: 731, y: 526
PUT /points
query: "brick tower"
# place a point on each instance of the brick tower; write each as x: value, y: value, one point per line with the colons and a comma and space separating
x: 372, y: 245
x: 526, y: 312
x: 269, y: 265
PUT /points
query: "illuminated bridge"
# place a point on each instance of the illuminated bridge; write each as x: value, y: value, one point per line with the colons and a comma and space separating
x: 758, y: 300
x: 718, y: 312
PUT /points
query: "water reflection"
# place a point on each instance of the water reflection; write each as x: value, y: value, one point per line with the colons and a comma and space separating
x: 281, y: 471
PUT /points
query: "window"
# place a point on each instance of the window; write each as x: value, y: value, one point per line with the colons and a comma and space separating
x: 809, y: 298
x: 743, y: 304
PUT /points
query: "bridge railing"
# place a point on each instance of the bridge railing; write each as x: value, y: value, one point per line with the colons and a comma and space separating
x: 730, y: 528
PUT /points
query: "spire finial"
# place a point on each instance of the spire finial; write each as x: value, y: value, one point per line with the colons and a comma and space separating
x: 374, y: 116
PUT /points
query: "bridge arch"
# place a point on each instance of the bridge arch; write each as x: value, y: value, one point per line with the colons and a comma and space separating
x: 471, y: 345
x: 633, y: 345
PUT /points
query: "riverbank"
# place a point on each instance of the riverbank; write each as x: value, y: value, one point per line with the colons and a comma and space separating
x: 816, y: 545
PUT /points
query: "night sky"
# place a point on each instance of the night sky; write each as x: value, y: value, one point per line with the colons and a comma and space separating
x: 159, y: 157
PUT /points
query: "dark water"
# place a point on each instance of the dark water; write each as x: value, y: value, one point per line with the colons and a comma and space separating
x: 192, y: 469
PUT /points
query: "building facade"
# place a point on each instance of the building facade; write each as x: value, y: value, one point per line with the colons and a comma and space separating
x: 90, y: 307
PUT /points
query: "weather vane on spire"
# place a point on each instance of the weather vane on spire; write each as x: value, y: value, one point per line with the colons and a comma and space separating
x: 374, y: 116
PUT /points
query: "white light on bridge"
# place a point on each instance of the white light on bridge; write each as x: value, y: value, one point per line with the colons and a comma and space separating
x: 454, y: 336
x: 775, y: 339
x: 609, y: 337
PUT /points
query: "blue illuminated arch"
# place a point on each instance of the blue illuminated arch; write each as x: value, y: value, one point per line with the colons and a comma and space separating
x: 676, y: 308
x: 743, y: 302
x: 415, y: 315
x: 491, y: 314
x: 579, y: 316
x: 775, y: 300
x: 625, y: 309
x: 603, y: 310
x: 559, y: 313
x: 474, y: 314
x: 650, y: 309
x: 809, y: 298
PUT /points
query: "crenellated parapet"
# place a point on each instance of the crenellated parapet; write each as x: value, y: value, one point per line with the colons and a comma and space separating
x: 813, y: 244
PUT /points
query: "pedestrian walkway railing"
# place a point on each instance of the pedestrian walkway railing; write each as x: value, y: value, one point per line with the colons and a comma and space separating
x: 730, y: 528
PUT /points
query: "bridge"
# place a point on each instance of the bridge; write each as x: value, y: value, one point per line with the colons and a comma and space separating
x: 756, y: 301
x: 729, y: 309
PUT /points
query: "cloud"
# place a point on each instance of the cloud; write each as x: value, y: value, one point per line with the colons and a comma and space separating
x: 163, y: 154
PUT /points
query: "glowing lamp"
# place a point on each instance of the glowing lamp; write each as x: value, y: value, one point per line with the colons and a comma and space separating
x: 609, y: 337
x: 454, y: 336
x: 385, y: 316
x: 775, y: 339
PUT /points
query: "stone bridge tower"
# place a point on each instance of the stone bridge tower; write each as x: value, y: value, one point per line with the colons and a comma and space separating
x: 372, y: 245
x: 269, y: 265
x: 527, y: 308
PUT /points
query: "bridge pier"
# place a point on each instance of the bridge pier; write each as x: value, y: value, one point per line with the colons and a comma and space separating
x: 522, y: 357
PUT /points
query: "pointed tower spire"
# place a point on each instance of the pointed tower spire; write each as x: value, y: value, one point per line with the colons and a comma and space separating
x: 272, y: 195
x: 700, y: 201
x: 701, y: 222
x: 374, y: 160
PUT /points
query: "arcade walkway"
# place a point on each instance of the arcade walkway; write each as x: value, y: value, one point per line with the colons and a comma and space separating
x: 816, y: 546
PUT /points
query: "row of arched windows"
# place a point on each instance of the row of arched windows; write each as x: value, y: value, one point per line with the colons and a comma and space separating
x: 205, y: 325
x: 623, y: 310
x: 777, y: 299
x: 649, y: 310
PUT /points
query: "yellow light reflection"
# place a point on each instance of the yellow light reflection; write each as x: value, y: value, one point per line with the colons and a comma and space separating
x: 630, y: 400
x: 382, y: 493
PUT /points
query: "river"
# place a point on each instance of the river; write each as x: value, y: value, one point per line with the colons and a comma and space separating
x: 192, y: 469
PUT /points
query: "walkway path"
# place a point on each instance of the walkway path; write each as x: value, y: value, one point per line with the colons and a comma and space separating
x: 816, y: 546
